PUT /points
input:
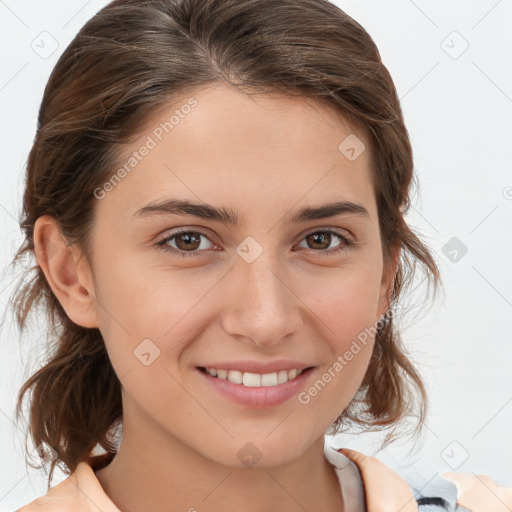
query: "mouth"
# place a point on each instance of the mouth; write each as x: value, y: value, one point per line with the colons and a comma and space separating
x: 254, y: 390
x: 255, y: 380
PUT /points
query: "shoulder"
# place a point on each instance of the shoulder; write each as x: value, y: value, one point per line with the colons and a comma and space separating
x: 458, y: 492
x: 80, y: 492
x: 58, y: 499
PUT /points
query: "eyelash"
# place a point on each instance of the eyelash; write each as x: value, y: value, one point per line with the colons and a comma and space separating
x: 346, y: 243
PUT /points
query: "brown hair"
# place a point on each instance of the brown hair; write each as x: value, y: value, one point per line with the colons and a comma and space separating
x: 129, y: 60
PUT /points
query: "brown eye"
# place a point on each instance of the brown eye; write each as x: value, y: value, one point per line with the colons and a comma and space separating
x: 188, y: 241
x: 185, y: 243
x: 320, y: 241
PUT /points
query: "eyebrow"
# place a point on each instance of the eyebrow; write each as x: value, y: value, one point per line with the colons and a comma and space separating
x: 227, y: 216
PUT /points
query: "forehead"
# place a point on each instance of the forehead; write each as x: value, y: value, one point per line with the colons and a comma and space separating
x: 220, y: 145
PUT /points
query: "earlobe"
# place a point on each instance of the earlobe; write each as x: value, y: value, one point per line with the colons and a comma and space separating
x: 70, y: 282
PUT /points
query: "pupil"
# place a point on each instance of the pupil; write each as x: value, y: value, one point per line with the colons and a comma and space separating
x: 188, y: 239
x: 317, y: 237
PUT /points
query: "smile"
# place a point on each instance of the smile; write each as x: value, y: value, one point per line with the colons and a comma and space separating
x: 255, y: 390
x: 254, y: 380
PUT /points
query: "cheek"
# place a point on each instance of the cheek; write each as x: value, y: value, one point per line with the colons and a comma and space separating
x: 346, y: 303
x: 140, y: 313
x: 346, y: 309
x: 148, y: 301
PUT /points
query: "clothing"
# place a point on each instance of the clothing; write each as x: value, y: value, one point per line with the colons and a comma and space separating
x: 367, y: 485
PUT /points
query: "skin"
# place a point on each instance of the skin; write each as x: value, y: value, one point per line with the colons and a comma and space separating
x: 264, y: 158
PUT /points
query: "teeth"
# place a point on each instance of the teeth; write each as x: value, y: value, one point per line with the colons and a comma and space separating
x: 235, y: 376
x: 252, y: 380
x: 255, y: 380
x: 282, y: 377
x: 269, y: 379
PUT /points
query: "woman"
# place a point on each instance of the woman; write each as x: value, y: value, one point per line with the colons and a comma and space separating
x: 216, y: 198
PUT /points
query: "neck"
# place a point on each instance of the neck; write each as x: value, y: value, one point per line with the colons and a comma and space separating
x: 163, y: 474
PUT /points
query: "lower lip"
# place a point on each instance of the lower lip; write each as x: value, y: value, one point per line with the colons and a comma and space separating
x: 257, y: 397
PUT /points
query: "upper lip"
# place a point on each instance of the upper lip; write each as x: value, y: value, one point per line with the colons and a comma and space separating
x: 258, y: 366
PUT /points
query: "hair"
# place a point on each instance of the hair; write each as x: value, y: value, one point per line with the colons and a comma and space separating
x: 126, y: 63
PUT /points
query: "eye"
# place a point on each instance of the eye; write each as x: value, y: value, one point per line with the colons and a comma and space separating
x: 187, y: 243
x: 322, y: 240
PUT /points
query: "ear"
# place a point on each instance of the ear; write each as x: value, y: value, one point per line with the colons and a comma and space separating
x: 387, y: 282
x: 68, y: 275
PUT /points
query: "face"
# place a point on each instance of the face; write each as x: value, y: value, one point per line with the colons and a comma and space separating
x: 255, y: 280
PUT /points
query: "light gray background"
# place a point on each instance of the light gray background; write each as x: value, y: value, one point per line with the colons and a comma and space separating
x: 457, y: 102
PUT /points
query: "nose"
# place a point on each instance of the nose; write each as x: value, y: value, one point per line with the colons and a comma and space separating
x: 261, y: 306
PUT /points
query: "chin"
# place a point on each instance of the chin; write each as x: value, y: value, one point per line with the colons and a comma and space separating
x: 261, y: 452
